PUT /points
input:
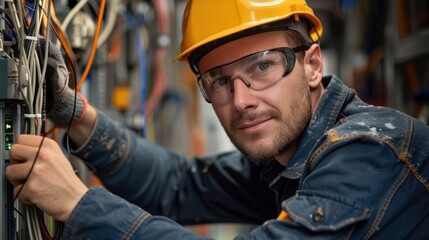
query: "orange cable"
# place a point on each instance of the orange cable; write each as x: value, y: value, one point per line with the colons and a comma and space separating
x: 94, y: 44
x: 71, y: 60
x: 66, y: 46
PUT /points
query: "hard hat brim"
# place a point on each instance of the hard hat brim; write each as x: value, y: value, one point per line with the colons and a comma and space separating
x: 315, y: 35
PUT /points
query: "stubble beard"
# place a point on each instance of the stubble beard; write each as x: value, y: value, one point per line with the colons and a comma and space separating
x: 284, y: 139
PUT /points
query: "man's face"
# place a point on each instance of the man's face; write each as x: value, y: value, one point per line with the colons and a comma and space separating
x: 263, y: 124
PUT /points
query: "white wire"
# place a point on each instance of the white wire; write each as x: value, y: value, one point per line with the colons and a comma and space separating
x: 29, y: 222
x: 111, y: 21
x: 110, y: 24
x: 42, y: 71
x: 72, y: 14
x: 29, y: 61
x: 39, y: 99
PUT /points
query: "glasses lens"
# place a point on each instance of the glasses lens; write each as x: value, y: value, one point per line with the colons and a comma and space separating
x: 258, y: 71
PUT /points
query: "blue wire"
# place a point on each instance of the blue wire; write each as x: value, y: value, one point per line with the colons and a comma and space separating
x: 141, y: 55
x: 134, y: 21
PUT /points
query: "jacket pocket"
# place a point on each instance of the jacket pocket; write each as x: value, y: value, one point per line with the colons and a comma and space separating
x: 320, y: 212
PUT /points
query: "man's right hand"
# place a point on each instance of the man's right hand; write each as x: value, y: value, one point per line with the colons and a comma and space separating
x: 52, y: 184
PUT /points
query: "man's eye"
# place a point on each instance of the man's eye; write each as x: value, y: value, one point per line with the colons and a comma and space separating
x: 262, y: 66
x: 219, y: 82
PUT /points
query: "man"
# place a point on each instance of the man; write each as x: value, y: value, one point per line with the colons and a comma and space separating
x: 314, y: 161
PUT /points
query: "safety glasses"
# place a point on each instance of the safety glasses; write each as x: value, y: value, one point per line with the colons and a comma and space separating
x: 257, y: 71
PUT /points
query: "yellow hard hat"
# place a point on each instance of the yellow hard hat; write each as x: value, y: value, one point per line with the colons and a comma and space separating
x: 205, y: 21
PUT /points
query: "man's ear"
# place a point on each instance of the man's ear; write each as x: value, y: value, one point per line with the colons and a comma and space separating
x: 313, y: 65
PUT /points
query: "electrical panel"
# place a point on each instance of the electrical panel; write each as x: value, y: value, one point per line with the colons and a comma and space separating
x: 12, y: 223
x: 11, y: 125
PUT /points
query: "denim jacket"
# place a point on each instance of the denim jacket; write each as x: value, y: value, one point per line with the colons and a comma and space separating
x: 359, y: 172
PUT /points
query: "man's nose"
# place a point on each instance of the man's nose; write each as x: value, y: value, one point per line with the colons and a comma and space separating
x: 242, y: 95
x: 241, y: 81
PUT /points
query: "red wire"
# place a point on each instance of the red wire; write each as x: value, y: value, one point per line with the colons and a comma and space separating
x: 42, y: 225
x: 160, y: 82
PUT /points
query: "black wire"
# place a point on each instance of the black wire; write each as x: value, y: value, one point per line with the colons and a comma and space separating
x: 9, y: 37
x: 72, y: 63
x: 75, y: 93
x: 6, y: 15
x: 44, y: 230
x: 59, y: 226
x: 24, y: 24
x: 94, y: 7
x: 71, y: 120
x: 8, y: 20
x: 59, y: 230
x: 32, y: 26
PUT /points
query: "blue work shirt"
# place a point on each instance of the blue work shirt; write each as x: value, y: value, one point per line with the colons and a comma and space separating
x: 358, y: 172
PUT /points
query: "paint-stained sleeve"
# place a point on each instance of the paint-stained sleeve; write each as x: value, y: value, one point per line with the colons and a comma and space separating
x: 190, y: 191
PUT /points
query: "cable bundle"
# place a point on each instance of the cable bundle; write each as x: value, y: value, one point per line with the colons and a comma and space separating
x: 27, y: 22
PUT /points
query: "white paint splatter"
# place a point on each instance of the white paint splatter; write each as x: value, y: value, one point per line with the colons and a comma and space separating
x: 361, y: 123
x: 389, y: 125
x: 373, y: 130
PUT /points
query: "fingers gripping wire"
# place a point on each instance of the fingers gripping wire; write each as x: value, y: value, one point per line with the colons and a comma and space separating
x: 29, y: 171
x: 33, y: 211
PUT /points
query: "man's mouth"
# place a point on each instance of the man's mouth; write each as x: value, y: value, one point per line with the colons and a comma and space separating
x: 253, y: 125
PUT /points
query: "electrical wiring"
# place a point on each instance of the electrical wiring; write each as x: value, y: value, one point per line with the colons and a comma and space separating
x: 94, y: 44
x: 20, y: 34
x: 41, y: 103
x: 34, y: 97
x: 33, y: 24
x: 109, y: 26
x: 141, y: 41
x: 70, y: 60
x: 7, y: 19
x: 159, y: 86
x: 94, y: 6
x: 65, y: 44
x: 60, y: 30
x: 44, y: 231
x: 111, y: 21
x: 75, y: 10
x: 42, y: 108
x: 162, y: 11
x: 27, y: 23
x: 33, y: 226
x: 148, y: 104
x: 30, y: 171
x: 141, y: 54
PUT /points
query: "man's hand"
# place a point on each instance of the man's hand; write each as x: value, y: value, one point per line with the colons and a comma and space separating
x: 59, y: 97
x: 52, y: 185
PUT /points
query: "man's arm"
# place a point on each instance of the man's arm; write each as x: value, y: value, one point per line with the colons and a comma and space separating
x: 81, y: 131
